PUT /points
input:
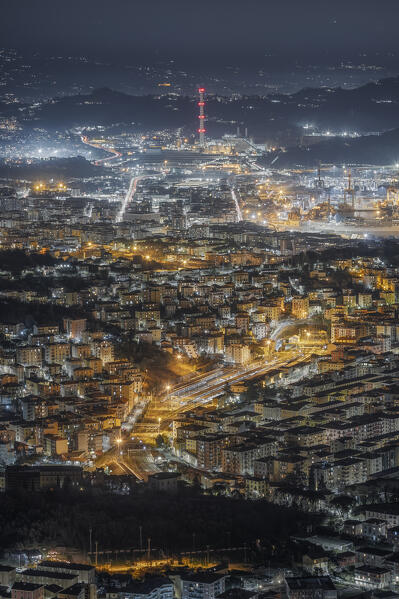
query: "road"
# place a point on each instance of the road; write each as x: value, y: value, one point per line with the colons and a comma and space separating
x: 133, y: 182
x: 128, y: 198
x: 237, y: 205
x: 236, y: 202
x: 204, y: 391
x: 115, y: 153
x: 118, y: 463
x: 197, y: 392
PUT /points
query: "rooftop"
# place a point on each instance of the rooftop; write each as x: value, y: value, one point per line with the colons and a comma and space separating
x: 202, y: 577
x: 65, y: 565
x: 297, y: 583
x: 25, y: 586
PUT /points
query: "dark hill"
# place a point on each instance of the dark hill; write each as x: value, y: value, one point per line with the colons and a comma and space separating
x: 369, y: 149
x: 369, y: 108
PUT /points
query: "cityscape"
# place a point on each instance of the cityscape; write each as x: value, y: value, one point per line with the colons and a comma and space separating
x: 199, y: 300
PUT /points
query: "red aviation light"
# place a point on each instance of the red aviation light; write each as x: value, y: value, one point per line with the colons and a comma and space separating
x: 201, y: 103
x: 201, y: 130
x: 201, y: 90
x: 201, y: 116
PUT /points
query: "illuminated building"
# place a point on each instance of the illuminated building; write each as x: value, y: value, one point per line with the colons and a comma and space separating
x: 300, y: 307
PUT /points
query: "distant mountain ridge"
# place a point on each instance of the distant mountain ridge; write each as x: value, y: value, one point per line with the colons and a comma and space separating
x: 373, y: 107
x: 369, y: 149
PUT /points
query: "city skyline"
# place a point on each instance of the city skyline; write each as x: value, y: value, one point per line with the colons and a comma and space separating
x: 199, y: 300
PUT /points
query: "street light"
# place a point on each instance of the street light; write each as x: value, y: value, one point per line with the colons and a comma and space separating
x: 119, y: 441
x: 168, y: 387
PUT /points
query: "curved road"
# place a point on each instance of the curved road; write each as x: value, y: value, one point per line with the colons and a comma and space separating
x: 115, y: 153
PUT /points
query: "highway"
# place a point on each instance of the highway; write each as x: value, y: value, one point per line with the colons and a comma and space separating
x: 197, y: 392
x: 115, y: 153
x: 208, y: 384
x: 236, y: 202
x: 206, y: 377
x: 128, y: 198
x: 237, y: 205
x: 118, y: 463
x: 207, y: 389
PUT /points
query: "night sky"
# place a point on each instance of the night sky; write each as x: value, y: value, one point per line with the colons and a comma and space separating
x: 211, y: 30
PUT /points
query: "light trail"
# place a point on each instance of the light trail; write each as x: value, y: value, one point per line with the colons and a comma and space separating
x: 207, y: 392
x: 234, y: 197
x: 128, y: 198
x: 131, y: 470
x: 116, y: 460
x: 280, y: 328
x: 237, y: 205
x: 115, y: 153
